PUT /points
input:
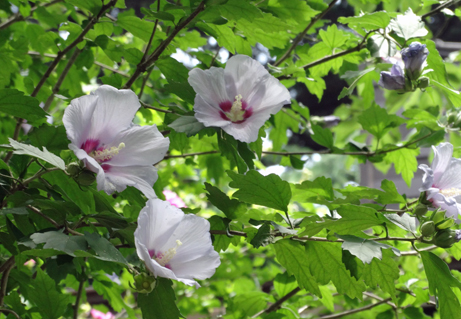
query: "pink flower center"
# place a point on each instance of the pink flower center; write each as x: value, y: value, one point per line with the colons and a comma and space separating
x: 236, y: 112
x: 100, y: 154
x: 164, y: 258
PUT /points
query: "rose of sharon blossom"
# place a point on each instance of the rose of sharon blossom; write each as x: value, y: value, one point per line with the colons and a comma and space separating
x: 442, y: 181
x: 174, y: 245
x: 239, y: 99
x: 103, y: 136
x: 414, y: 58
x: 173, y: 198
x: 393, y: 80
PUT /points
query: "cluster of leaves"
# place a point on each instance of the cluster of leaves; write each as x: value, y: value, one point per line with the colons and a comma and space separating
x: 279, y: 258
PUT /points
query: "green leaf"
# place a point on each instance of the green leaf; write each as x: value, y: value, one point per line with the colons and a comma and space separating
x: 392, y: 195
x: 59, y: 241
x: 405, y: 221
x: 237, y: 9
x: 322, y: 136
x: 15, y: 103
x: 24, y: 149
x: 376, y: 121
x: 110, y: 219
x: 381, y: 47
x: 92, y: 5
x: 320, y: 187
x: 228, y: 147
x: 161, y: 15
x: 368, y: 21
x: 160, y: 303
x: 354, y: 218
x: 54, y: 138
x: 325, y: 263
x: 405, y: 162
x: 348, y: 75
x: 382, y: 273
x: 139, y: 28
x: 292, y: 255
x: 284, y: 283
x: 365, y: 249
x: 232, y: 208
x: 408, y: 25
x: 295, y: 10
x: 221, y: 242
x: 254, y: 188
x: 173, y: 70
x: 104, y: 249
x: 263, y: 237
x: 333, y: 37
x: 51, y: 303
x: 441, y: 282
x: 187, y: 124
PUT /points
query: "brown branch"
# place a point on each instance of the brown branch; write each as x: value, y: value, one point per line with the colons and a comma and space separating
x: 8, y: 311
x: 77, y: 301
x: 146, y: 52
x: 18, y: 17
x: 142, y: 67
x: 190, y: 154
x: 300, y: 36
x: 38, y: 212
x: 352, y: 311
x: 276, y: 305
x: 147, y: 106
x: 9, y: 264
x: 231, y: 232
x: 439, y: 8
x: 416, y: 252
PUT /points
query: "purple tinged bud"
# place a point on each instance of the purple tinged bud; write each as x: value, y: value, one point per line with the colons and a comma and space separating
x: 393, y: 80
x: 414, y: 58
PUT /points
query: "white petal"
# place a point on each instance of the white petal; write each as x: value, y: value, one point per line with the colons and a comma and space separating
x: 276, y: 95
x: 144, y: 145
x: 114, y: 112
x: 210, y: 85
x: 442, y: 158
x: 446, y: 203
x: 451, y: 177
x: 428, y: 177
x: 77, y: 118
x: 207, y: 114
x: 156, y: 223
x: 141, y: 177
x: 242, y: 74
x: 247, y: 131
x: 154, y: 267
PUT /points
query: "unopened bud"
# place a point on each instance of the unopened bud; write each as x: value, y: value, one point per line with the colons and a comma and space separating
x: 423, y: 82
x: 85, y: 178
x: 438, y: 216
x: 144, y: 283
x: 445, y: 238
x: 447, y: 223
x: 420, y: 210
x: 454, y: 119
x: 73, y: 169
x: 423, y: 199
x: 428, y: 229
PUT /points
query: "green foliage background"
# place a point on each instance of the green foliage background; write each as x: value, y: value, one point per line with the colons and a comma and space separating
x: 279, y: 258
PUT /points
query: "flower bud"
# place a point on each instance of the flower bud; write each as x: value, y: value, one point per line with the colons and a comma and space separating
x: 414, y: 57
x: 420, y: 210
x: 144, y: 283
x: 393, y: 80
x: 438, y: 216
x: 73, y: 169
x: 423, y: 82
x: 446, y: 238
x: 85, y: 178
x: 454, y: 119
x: 447, y: 223
x: 428, y: 228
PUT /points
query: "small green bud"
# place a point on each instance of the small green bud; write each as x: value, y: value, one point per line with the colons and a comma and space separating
x: 423, y: 199
x: 420, y: 210
x: 73, y: 169
x: 453, y: 119
x: 423, y: 82
x: 438, y: 216
x: 428, y: 229
x: 447, y: 223
x: 445, y: 238
x: 85, y: 178
x: 144, y: 283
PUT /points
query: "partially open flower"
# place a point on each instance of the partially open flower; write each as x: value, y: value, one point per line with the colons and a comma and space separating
x: 414, y: 57
x: 393, y: 80
x: 174, y: 245
x: 239, y: 99
x: 103, y: 136
x: 442, y: 181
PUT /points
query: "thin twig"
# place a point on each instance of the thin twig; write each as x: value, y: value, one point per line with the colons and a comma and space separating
x: 146, y: 52
x: 39, y: 174
x: 214, y: 57
x: 61, y: 78
x: 300, y: 36
x: 147, y: 106
x: 276, y: 305
x: 190, y: 154
x: 438, y: 9
x: 142, y: 67
x: 414, y: 253
x: 77, y: 301
x: 10, y: 263
x: 8, y: 311
x: 352, y: 311
x: 18, y: 17
x: 38, y: 212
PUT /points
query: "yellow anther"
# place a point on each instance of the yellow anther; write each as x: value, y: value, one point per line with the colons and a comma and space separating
x: 451, y: 192
x: 236, y: 113
x: 107, y: 154
x: 164, y: 258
